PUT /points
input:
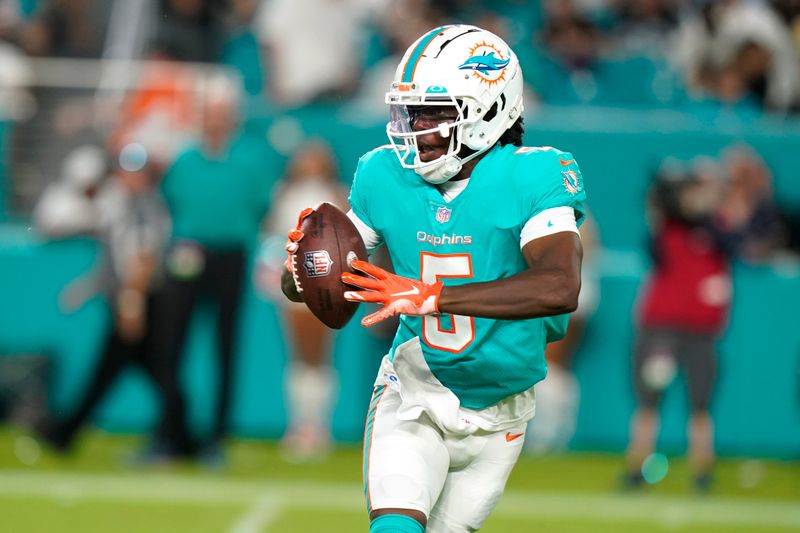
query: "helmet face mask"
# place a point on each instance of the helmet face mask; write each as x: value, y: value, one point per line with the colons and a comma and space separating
x: 462, y: 67
x: 404, y: 137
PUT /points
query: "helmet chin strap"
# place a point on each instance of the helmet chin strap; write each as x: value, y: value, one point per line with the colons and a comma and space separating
x: 442, y: 171
x: 447, y: 166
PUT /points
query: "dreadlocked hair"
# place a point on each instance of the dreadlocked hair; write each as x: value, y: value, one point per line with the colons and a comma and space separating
x: 513, y: 135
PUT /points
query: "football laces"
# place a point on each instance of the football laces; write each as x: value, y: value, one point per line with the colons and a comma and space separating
x: 295, y: 277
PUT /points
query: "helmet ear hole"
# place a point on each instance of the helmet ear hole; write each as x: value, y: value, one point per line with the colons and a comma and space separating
x: 498, y: 107
x: 491, y: 113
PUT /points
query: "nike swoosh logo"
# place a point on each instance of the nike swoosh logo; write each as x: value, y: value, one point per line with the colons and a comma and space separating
x: 566, y: 163
x: 414, y: 291
x: 549, y: 223
x: 510, y: 436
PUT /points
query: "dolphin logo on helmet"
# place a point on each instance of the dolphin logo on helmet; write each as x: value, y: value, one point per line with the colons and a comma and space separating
x: 484, y: 63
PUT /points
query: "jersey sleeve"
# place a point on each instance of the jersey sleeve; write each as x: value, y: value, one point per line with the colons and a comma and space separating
x: 551, y: 179
x: 358, y: 195
x: 360, y: 204
x: 372, y: 240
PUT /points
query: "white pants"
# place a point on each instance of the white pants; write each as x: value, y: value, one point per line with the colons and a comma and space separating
x: 454, y: 477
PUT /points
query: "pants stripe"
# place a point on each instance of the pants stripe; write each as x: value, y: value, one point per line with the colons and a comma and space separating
x: 368, y: 429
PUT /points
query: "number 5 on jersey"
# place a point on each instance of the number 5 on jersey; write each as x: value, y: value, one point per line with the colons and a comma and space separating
x: 433, y: 268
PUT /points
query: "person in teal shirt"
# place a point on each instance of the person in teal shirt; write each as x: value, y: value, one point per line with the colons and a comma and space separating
x: 217, y: 193
x: 483, y: 236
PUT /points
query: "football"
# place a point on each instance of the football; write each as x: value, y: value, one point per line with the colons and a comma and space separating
x: 330, y: 243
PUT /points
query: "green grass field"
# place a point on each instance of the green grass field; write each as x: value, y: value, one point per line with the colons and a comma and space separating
x: 92, y: 491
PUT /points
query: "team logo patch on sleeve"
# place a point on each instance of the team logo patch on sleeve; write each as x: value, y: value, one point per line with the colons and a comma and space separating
x: 317, y: 263
x: 571, y: 182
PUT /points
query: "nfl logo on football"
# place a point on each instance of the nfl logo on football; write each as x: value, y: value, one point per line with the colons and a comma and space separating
x: 317, y: 263
x: 443, y: 215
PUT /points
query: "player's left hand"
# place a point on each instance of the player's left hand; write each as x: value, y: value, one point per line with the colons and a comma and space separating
x: 294, y: 235
x: 399, y: 295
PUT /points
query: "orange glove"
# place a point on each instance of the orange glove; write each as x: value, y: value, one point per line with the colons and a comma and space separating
x: 399, y: 295
x: 295, y: 236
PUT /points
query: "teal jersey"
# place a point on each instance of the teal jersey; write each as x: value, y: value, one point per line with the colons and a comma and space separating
x: 473, y: 238
x: 219, y: 201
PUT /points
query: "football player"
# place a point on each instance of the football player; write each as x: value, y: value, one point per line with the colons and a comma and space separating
x: 483, y: 236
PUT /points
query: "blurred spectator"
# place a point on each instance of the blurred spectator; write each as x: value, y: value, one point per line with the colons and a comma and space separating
x: 748, y: 36
x: 160, y: 112
x: 67, y: 206
x: 752, y: 61
x: 310, y: 382
x: 578, y: 65
x: 241, y: 49
x: 15, y: 76
x: 646, y: 25
x: 698, y: 222
x: 67, y: 28
x: 313, y: 48
x: 789, y: 11
x: 401, y: 24
x: 790, y: 220
x: 126, y: 214
x: 10, y: 20
x: 571, y: 45
x: 58, y: 117
x: 217, y: 193
x: 748, y: 214
x: 191, y: 30
x: 723, y: 96
x: 488, y: 18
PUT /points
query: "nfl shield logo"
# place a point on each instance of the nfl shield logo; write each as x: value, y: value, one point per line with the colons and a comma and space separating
x: 443, y: 215
x: 317, y: 263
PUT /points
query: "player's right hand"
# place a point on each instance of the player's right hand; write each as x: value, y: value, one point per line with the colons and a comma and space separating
x: 294, y: 237
x: 399, y: 295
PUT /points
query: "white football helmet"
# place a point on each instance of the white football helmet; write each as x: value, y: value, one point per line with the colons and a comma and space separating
x: 464, y: 67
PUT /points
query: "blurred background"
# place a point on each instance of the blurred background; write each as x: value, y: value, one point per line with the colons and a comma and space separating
x: 154, y: 152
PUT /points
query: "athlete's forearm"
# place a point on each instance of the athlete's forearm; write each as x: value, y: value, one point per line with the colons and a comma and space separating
x: 288, y: 287
x: 529, y: 294
x: 549, y: 286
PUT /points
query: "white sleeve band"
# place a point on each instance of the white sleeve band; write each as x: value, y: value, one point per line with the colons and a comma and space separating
x: 548, y: 222
x: 370, y: 237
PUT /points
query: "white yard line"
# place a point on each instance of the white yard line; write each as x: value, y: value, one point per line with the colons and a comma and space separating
x: 259, y: 516
x: 266, y: 500
x: 672, y: 511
